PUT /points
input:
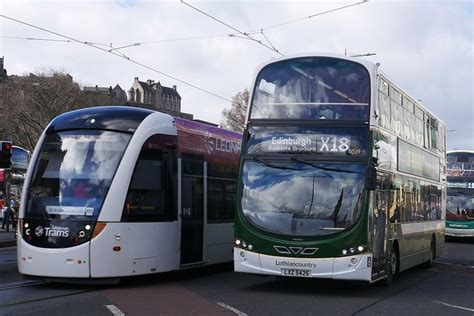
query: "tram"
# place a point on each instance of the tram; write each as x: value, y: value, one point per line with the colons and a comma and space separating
x: 119, y: 191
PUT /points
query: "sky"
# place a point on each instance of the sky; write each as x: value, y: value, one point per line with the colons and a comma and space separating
x: 426, y: 47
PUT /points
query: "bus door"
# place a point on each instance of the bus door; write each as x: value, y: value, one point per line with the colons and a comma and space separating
x: 379, y: 225
x: 192, y: 209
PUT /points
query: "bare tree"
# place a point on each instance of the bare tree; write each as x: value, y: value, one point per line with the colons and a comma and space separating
x: 234, y: 118
x: 31, y: 102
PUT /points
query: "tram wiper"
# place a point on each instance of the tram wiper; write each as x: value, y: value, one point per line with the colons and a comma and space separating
x: 319, y: 167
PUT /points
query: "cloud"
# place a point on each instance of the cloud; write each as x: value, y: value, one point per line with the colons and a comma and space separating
x: 424, y: 46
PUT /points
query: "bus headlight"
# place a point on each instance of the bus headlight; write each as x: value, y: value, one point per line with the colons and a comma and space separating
x: 243, y: 244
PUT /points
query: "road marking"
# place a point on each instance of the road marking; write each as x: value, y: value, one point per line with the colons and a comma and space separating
x: 454, y: 264
x: 115, y: 310
x: 232, y: 309
x: 455, y: 306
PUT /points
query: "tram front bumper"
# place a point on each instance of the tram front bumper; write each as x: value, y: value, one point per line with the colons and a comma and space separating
x: 355, y: 267
x: 54, y: 262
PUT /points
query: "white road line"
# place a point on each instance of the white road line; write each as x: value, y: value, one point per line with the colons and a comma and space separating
x: 455, y: 306
x: 232, y: 309
x: 115, y: 310
x: 454, y: 264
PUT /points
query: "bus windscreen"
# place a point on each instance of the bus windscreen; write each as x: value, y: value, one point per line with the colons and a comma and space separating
x: 312, y: 88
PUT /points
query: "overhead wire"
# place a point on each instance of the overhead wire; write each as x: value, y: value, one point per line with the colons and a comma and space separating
x: 233, y: 28
x: 232, y: 35
x: 310, y: 16
x: 116, y: 50
x: 118, y: 54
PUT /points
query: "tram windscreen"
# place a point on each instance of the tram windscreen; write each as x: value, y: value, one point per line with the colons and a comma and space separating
x: 302, y: 199
x: 73, y: 173
x: 312, y: 88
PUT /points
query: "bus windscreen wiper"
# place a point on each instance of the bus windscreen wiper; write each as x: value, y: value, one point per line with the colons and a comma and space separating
x: 266, y: 163
x: 319, y: 167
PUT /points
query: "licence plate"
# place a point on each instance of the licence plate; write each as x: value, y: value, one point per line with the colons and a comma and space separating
x: 296, y: 273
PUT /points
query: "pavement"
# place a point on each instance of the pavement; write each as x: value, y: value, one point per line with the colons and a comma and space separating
x: 7, y: 239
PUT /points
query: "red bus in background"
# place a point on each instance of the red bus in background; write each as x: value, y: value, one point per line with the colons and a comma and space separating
x: 11, y: 180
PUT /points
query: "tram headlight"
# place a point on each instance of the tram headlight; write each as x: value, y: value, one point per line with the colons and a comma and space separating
x: 82, y: 234
x: 88, y: 227
x: 344, y: 252
x: 249, y: 247
x: 352, y: 250
x: 26, y: 225
x: 244, y: 244
x: 360, y: 248
x: 238, y: 242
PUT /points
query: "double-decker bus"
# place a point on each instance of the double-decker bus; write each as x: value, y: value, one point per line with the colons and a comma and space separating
x: 122, y: 191
x: 342, y: 173
x: 460, y: 201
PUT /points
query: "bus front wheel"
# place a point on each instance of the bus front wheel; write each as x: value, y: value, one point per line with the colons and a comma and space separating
x: 430, y: 261
x: 392, y: 265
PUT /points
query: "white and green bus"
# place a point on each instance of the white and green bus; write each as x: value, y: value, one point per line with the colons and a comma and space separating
x: 460, y: 201
x: 342, y: 173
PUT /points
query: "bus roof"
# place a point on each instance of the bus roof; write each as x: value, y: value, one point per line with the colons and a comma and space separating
x: 372, y: 67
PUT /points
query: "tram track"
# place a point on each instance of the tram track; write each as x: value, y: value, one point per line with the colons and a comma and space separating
x: 35, y: 300
x: 32, y: 284
x: 14, y: 285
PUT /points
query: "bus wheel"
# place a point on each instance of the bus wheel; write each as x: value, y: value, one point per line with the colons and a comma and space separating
x: 430, y: 261
x: 392, y: 266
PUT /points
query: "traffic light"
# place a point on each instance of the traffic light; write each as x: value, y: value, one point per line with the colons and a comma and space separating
x: 6, y: 155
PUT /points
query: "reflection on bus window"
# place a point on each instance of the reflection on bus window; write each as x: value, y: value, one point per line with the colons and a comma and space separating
x: 312, y: 88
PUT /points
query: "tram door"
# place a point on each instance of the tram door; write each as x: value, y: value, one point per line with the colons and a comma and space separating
x: 379, y: 225
x: 192, y: 212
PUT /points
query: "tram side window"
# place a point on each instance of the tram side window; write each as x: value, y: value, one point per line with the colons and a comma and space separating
x: 221, y: 190
x: 152, y: 192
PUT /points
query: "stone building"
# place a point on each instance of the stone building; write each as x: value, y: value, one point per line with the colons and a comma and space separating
x: 153, y: 95
x: 117, y: 95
